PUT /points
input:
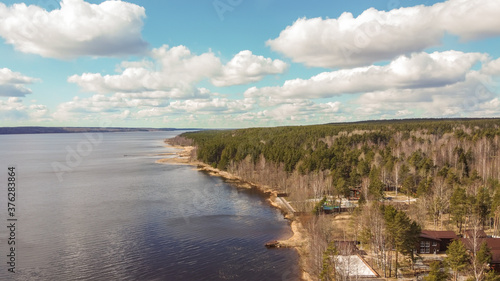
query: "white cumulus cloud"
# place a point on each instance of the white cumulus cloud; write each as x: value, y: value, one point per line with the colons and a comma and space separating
x: 246, y: 67
x: 420, y: 70
x: 295, y: 111
x: 469, y: 19
x: 174, y: 72
x: 379, y: 35
x: 13, y: 84
x: 465, y: 98
x: 136, y: 107
x: 78, y: 28
x: 13, y: 109
x: 492, y: 67
x: 213, y: 106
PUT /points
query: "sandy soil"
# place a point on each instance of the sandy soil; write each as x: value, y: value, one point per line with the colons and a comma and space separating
x: 180, y: 157
x: 300, y: 242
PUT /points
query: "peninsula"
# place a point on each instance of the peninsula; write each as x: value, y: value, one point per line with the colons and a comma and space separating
x: 372, y: 191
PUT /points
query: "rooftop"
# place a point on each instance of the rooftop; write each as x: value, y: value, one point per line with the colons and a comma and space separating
x: 438, y: 234
x: 353, y: 266
x: 469, y: 233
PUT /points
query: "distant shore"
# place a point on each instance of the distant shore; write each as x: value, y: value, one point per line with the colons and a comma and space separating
x: 70, y: 130
x: 298, y: 239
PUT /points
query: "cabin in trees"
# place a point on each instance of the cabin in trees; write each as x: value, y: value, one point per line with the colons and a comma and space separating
x: 354, y: 193
x: 469, y: 233
x: 433, y: 242
x: 337, y: 208
x: 330, y: 205
x: 493, y: 244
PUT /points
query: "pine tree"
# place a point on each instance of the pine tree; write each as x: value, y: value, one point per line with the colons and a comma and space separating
x: 484, y: 254
x: 457, y: 258
x: 458, y: 206
x: 483, y: 205
x: 328, y: 269
x: 491, y: 276
x: 401, y: 232
x: 437, y: 273
x: 481, y: 261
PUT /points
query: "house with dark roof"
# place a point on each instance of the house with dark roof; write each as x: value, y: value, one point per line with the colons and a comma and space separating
x: 346, y: 248
x: 493, y: 244
x: 469, y: 233
x: 433, y: 241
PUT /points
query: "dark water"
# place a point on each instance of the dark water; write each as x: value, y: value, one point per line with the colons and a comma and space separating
x: 98, y: 207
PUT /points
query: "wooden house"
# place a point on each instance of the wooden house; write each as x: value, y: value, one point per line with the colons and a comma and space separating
x: 493, y: 244
x: 433, y: 242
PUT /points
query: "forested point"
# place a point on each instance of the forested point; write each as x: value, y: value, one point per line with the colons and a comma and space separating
x: 412, y: 154
x: 416, y: 157
x: 350, y: 148
x: 448, y: 169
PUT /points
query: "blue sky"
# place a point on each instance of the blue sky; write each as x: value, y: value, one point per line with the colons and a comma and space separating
x: 242, y: 63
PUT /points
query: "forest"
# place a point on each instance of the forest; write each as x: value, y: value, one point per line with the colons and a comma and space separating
x: 449, y: 169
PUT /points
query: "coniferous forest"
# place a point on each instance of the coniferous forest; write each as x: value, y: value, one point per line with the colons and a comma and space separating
x: 447, y: 169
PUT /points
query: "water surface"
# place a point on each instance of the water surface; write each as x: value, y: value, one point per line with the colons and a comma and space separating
x: 98, y: 207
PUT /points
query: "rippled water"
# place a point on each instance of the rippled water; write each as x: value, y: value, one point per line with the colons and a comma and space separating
x: 114, y: 214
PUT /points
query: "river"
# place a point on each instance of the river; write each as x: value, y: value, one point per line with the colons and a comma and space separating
x: 96, y: 206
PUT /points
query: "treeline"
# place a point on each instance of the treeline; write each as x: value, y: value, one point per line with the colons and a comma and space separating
x: 452, y: 167
x: 323, y: 147
x: 421, y: 158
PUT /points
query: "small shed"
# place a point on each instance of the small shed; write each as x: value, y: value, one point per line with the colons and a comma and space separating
x: 354, y: 193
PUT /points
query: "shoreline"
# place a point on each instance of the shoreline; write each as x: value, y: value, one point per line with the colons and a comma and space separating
x: 298, y: 239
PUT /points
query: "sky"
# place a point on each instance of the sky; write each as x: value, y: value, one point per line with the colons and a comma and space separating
x: 246, y: 63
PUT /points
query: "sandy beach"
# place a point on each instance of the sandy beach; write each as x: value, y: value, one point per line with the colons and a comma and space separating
x: 180, y: 157
x: 297, y: 241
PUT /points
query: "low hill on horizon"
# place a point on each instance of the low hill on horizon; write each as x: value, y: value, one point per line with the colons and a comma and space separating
x: 62, y: 130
